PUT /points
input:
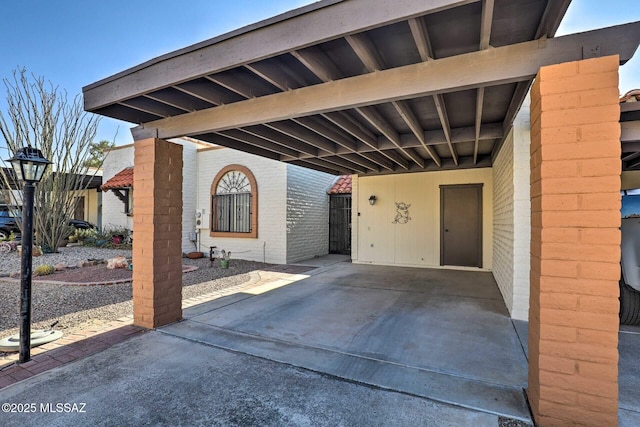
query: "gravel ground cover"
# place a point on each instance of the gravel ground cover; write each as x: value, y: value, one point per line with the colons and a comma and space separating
x: 75, y: 305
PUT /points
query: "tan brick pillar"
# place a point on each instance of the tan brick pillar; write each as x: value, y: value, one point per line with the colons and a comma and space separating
x: 157, y: 233
x: 575, y: 244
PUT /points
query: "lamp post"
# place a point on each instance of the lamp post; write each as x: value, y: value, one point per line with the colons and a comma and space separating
x: 29, y: 166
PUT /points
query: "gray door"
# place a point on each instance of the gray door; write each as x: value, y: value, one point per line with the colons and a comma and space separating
x: 461, y: 225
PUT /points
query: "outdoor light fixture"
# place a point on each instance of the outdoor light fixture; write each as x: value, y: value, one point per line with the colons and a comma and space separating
x: 29, y: 166
x: 372, y: 200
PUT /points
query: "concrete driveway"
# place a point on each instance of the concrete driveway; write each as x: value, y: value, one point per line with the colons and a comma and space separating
x: 397, y: 335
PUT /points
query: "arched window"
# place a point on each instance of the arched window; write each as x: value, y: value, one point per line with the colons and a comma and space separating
x: 234, y: 203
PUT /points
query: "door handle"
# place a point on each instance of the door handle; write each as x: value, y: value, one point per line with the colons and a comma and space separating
x: 446, y: 230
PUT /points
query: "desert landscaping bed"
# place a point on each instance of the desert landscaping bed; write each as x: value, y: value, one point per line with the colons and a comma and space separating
x: 72, y: 306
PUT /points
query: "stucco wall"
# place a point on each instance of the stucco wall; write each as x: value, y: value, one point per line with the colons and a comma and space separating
x: 271, y: 177
x: 416, y: 243
x: 92, y: 201
x: 512, y: 217
x: 307, y: 213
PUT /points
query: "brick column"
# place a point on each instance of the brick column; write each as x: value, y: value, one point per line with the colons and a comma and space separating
x: 157, y: 237
x: 575, y: 244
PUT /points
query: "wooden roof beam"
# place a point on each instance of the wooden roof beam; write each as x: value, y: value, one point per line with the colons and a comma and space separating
x: 410, y: 119
x: 233, y: 86
x: 144, y: 110
x: 478, y: 126
x: 630, y: 156
x: 281, y: 139
x: 268, y: 76
x: 325, y: 131
x: 446, y: 127
x: 296, y: 131
x: 372, y: 115
x: 167, y: 102
x: 318, y: 63
x: 247, y: 138
x: 196, y: 95
x: 552, y: 17
x: 496, y: 66
x: 487, y: 21
x: 366, y: 51
x: 421, y: 38
x: 485, y: 39
x: 237, y: 145
x: 630, y: 131
x: 345, y: 122
x: 319, y: 166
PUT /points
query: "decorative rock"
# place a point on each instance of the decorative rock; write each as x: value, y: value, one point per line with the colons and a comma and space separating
x: 117, y: 262
x: 60, y: 266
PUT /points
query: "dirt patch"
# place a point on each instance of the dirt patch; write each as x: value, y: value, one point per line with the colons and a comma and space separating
x: 93, y: 273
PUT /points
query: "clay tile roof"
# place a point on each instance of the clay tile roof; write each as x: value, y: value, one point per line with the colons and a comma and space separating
x: 123, y: 179
x: 631, y: 96
x: 342, y: 185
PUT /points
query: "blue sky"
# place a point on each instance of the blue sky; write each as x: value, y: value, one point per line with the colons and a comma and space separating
x: 73, y: 43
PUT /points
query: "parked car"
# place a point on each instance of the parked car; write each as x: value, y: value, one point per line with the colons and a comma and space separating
x: 630, y: 258
x: 82, y: 225
x: 8, y: 224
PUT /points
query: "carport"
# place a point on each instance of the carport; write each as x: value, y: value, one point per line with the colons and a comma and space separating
x: 378, y: 87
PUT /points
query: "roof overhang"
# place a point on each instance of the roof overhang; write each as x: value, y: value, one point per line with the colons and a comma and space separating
x: 120, y: 181
x: 359, y: 86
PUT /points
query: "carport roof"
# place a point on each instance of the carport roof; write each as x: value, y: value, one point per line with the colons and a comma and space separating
x: 630, y: 129
x: 358, y: 86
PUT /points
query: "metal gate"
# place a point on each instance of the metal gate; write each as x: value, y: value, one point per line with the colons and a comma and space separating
x: 340, y: 224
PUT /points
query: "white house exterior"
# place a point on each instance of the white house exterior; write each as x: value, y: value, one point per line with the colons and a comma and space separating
x: 292, y: 204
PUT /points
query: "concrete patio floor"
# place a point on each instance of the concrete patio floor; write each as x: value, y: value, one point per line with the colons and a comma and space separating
x: 440, y: 334
x: 409, y: 333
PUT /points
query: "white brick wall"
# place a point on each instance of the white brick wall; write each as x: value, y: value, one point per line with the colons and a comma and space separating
x: 512, y: 217
x: 503, y: 221
x: 307, y: 213
x: 113, y: 215
x: 271, y: 177
x: 113, y: 209
x: 189, y: 194
x: 522, y: 213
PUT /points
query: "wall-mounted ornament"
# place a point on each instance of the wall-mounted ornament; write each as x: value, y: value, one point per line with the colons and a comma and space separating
x: 402, y: 213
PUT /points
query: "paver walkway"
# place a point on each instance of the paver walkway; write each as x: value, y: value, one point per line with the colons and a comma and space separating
x: 100, y: 335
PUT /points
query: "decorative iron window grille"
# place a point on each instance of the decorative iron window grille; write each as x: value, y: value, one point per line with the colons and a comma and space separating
x: 231, y: 205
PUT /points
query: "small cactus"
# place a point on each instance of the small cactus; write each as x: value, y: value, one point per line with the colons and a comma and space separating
x: 43, y: 270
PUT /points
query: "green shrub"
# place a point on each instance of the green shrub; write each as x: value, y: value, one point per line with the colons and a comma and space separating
x: 44, y: 269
